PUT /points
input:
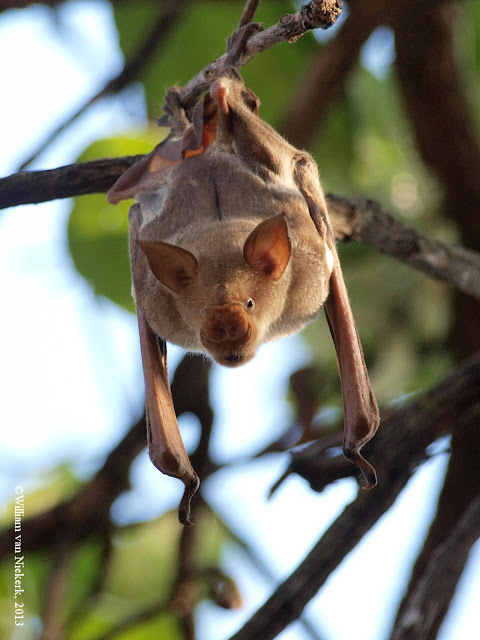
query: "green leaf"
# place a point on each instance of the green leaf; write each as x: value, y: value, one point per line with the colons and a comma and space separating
x: 98, y: 231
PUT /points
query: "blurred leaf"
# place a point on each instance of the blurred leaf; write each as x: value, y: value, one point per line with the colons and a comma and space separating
x: 98, y: 231
x: 85, y: 564
x: 143, y: 555
x: 164, y: 627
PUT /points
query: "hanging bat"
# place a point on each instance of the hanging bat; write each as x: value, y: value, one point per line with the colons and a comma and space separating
x: 231, y: 247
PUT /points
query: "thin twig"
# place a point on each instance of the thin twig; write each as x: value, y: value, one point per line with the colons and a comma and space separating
x: 53, y: 618
x: 130, y: 72
x: 317, y: 14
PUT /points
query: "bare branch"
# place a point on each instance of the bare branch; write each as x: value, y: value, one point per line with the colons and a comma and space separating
x: 248, y: 12
x: 434, y: 593
x: 53, y: 618
x: 366, y: 221
x: 32, y: 187
x: 398, y: 448
x: 317, y: 14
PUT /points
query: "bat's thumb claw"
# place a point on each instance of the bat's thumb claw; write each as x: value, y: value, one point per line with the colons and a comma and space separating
x: 368, y: 472
x: 184, y: 508
x: 238, y: 41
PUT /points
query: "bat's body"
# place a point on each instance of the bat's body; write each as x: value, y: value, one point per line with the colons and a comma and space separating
x: 206, y: 212
x: 231, y: 247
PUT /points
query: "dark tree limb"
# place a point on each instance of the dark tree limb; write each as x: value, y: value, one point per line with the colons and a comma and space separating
x: 446, y: 135
x: 396, y: 451
x: 427, y: 604
x: 447, y: 139
x: 366, y: 221
x: 33, y: 187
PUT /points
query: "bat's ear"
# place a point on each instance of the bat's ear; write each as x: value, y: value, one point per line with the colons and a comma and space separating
x: 267, y: 249
x: 147, y: 174
x: 171, y: 265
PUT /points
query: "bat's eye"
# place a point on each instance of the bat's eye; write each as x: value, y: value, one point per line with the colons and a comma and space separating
x: 250, y: 304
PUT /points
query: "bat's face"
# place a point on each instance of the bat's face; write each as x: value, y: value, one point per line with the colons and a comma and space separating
x: 231, y: 310
x: 230, y: 291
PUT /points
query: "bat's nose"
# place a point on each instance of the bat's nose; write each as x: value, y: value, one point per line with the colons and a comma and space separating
x: 226, y: 323
x: 228, y: 334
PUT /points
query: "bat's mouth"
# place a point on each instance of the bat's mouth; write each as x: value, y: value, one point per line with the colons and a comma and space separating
x: 234, y: 359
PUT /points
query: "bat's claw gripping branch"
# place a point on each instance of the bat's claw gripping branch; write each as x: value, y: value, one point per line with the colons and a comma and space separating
x: 238, y: 41
x: 184, y: 509
x: 174, y: 117
x: 368, y: 472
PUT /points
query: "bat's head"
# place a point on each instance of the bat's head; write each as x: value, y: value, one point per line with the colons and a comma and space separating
x: 233, y: 293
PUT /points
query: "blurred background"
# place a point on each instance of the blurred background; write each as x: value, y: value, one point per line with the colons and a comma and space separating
x: 362, y: 98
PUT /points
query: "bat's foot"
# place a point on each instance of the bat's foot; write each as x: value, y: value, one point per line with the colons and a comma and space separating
x: 237, y: 42
x: 368, y: 472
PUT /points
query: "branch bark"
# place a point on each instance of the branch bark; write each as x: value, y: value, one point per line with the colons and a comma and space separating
x: 433, y: 593
x: 366, y: 221
x: 396, y: 451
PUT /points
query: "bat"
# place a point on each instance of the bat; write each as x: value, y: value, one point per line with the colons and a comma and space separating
x: 231, y: 247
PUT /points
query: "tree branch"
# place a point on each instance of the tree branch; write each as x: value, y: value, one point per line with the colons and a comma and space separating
x: 317, y: 14
x: 396, y: 451
x: 433, y: 594
x: 33, y: 187
x: 352, y: 218
x: 366, y: 221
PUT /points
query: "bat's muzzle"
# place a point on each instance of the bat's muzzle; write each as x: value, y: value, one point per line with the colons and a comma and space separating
x: 228, y: 334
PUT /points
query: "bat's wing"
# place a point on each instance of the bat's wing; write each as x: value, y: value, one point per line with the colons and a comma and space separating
x: 153, y: 171
x: 361, y: 413
x: 165, y: 445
